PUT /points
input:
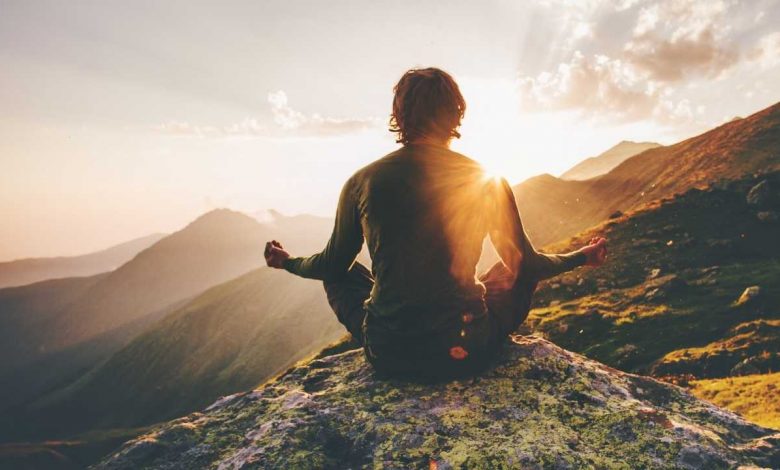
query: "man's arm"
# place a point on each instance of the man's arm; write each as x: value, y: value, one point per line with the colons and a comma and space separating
x: 342, y: 248
x: 509, y: 237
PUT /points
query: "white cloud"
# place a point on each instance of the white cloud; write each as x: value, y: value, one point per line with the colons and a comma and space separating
x: 287, y: 122
x: 767, y: 52
x: 679, y: 38
x: 290, y: 119
x: 599, y: 85
x: 672, y: 47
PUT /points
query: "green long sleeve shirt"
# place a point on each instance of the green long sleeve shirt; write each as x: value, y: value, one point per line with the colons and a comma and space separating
x: 424, y: 212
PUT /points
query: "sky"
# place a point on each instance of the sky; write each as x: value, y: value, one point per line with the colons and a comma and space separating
x: 119, y: 119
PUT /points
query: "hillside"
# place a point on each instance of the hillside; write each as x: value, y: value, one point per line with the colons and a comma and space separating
x: 26, y: 310
x: 228, y: 339
x: 538, y: 407
x: 29, y: 270
x: 554, y: 209
x: 606, y: 161
x: 55, y: 331
x: 667, y: 303
x: 218, y: 246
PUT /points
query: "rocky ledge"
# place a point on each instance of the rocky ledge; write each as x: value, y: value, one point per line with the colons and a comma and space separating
x: 540, y: 406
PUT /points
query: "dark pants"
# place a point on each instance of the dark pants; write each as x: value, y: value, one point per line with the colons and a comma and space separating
x: 508, y: 302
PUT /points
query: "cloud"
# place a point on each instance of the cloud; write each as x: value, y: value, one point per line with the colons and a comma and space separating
x: 679, y: 38
x: 596, y: 84
x: 288, y: 119
x: 766, y: 53
x: 287, y: 122
x: 671, y: 45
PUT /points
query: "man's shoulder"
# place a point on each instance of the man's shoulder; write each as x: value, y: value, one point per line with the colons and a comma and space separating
x: 463, y: 159
x: 396, y: 160
x: 377, y: 164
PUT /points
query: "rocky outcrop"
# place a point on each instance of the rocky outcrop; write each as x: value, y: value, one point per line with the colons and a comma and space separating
x: 539, y: 406
x: 759, y: 194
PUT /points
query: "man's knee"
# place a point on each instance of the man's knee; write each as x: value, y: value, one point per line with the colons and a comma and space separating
x: 346, y: 295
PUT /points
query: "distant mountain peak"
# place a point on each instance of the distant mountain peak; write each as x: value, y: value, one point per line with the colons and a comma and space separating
x: 606, y: 161
x: 220, y: 216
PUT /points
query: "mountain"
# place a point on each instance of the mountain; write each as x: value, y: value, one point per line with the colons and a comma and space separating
x: 539, y: 406
x: 26, y: 311
x: 56, y: 330
x: 554, y: 209
x: 214, y: 248
x: 690, y: 292
x: 30, y: 270
x: 606, y: 161
x: 230, y: 338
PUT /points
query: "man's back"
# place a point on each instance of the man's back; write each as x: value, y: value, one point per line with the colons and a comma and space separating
x: 423, y: 211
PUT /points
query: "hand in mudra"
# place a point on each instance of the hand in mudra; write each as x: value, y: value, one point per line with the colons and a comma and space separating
x: 275, y: 254
x: 595, y: 251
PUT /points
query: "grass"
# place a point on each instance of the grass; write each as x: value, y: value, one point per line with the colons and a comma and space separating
x: 663, y: 304
x: 753, y: 396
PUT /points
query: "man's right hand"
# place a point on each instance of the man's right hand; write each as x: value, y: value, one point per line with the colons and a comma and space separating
x: 275, y: 254
x: 595, y: 251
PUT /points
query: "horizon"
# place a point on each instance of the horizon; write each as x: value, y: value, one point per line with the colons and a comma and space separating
x: 107, y: 135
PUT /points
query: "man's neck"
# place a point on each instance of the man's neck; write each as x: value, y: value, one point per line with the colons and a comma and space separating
x: 430, y: 141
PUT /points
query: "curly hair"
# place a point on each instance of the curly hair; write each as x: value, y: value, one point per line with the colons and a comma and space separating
x: 427, y: 103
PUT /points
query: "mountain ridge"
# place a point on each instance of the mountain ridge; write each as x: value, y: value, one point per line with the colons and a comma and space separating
x: 25, y: 271
x: 604, y: 162
x: 554, y: 209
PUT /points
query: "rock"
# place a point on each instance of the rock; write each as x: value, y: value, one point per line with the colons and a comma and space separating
x: 767, y: 216
x: 654, y: 273
x: 538, y: 406
x: 662, y: 287
x: 759, y: 194
x: 749, y: 295
x: 569, y: 281
x: 643, y: 242
x: 721, y: 243
x: 764, y: 363
x: 745, y: 367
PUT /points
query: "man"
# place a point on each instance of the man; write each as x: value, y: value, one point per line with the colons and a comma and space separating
x: 424, y: 212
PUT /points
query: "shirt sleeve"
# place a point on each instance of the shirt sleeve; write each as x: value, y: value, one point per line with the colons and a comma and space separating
x: 534, y: 265
x: 343, y: 247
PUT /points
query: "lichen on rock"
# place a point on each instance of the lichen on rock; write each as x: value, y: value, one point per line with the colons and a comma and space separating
x: 538, y: 406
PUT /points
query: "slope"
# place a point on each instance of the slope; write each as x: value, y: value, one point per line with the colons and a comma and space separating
x: 231, y: 337
x: 606, y: 161
x: 554, y: 209
x: 29, y: 270
x: 52, y: 339
x: 668, y: 300
x: 26, y: 310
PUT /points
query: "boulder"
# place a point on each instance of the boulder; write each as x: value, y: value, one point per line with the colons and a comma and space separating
x: 662, y: 287
x: 749, y: 296
x: 538, y: 406
x: 759, y: 194
x: 654, y: 273
x: 767, y: 216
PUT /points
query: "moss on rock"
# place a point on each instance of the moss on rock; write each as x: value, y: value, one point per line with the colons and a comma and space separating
x: 539, y: 406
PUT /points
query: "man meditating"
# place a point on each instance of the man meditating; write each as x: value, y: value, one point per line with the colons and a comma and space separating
x: 424, y: 212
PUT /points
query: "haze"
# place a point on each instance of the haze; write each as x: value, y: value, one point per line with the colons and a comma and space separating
x: 120, y: 119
